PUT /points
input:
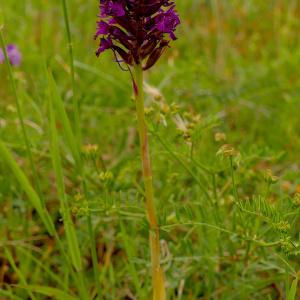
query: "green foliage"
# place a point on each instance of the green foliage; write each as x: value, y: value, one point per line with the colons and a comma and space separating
x: 229, y: 222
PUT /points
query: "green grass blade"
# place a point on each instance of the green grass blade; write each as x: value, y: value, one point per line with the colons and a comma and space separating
x: 20, y: 114
x: 68, y: 223
x: 8, y: 295
x: 293, y: 290
x: 17, y: 270
x: 102, y: 75
x: 54, y: 293
x: 26, y: 186
x: 44, y: 267
x: 131, y: 266
x: 71, y: 57
x: 63, y: 117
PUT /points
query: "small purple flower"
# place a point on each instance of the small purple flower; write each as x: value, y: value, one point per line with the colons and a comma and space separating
x: 137, y: 31
x: 13, y: 53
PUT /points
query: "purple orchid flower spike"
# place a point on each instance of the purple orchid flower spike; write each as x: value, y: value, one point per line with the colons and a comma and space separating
x: 14, y: 55
x: 137, y: 31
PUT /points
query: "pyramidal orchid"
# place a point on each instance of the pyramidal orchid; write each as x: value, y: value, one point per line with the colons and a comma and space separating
x: 138, y: 32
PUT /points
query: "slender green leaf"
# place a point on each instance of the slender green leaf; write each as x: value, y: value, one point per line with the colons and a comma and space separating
x: 1, y: 19
x: 9, y: 295
x: 293, y: 290
x: 26, y: 186
x: 48, y: 291
x: 131, y: 266
x: 68, y: 223
x: 17, y: 270
x: 63, y: 117
x: 44, y: 267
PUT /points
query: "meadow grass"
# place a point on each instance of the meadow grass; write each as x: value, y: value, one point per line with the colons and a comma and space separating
x: 222, y: 111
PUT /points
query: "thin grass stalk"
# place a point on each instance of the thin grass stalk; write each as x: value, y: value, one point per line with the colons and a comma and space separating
x: 20, y: 116
x: 131, y: 266
x: 71, y: 58
x: 72, y: 240
x: 77, y: 276
x: 79, y: 143
x: 18, y: 272
x: 42, y: 266
x: 158, y: 281
x: 235, y: 193
x: 236, y: 197
x: 8, y: 295
x: 26, y: 186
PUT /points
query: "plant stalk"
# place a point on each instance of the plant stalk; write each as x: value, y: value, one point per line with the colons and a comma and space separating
x: 71, y: 57
x: 158, y: 282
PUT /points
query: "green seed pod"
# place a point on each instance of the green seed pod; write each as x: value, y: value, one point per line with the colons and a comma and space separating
x: 270, y: 178
x: 296, y: 200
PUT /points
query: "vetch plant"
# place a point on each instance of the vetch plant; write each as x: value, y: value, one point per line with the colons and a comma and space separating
x: 13, y: 53
x: 138, y: 32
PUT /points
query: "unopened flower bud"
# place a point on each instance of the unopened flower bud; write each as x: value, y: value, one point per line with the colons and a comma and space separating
x: 149, y: 111
x: 282, y: 226
x: 175, y: 108
x: 270, y: 178
x: 296, y: 200
x: 106, y: 176
x: 78, y: 197
x: 227, y: 151
x: 90, y: 151
x: 220, y: 136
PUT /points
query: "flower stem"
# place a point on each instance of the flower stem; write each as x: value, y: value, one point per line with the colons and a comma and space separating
x: 71, y: 57
x: 158, y: 283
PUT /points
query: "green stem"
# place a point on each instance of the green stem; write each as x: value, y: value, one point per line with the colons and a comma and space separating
x: 71, y: 57
x: 236, y: 197
x: 79, y: 142
x: 158, y: 282
x: 94, y: 256
x: 78, y: 276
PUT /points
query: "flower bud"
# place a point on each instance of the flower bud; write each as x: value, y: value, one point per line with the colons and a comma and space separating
x: 270, y: 178
x: 228, y: 151
x: 296, y: 200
